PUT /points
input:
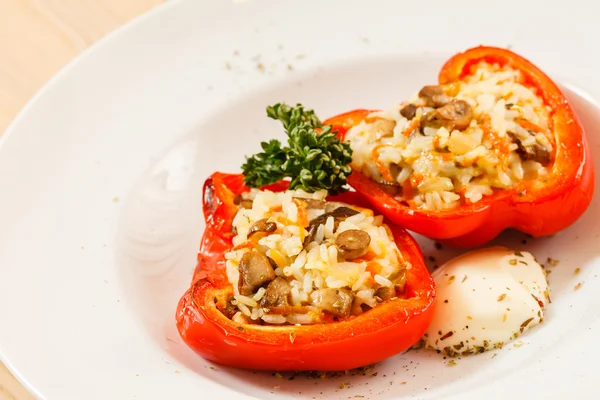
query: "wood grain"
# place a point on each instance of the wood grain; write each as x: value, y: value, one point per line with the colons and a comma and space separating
x: 37, y: 38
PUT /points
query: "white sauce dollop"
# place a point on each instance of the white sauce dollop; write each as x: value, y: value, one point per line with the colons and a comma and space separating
x: 486, y: 298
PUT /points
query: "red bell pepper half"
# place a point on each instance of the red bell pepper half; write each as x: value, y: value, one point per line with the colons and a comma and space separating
x: 372, y: 336
x: 542, y: 210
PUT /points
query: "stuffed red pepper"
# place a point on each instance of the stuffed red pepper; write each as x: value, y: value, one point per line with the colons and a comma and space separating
x: 494, y: 145
x: 289, y: 278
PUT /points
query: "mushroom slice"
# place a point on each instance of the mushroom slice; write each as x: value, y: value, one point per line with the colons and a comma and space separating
x: 339, y: 214
x: 454, y: 115
x: 537, y: 152
x: 352, y: 243
x: 434, y: 96
x: 391, y: 188
x: 277, y: 293
x: 385, y: 293
x: 262, y: 225
x: 335, y: 301
x: 255, y: 270
x: 409, y: 111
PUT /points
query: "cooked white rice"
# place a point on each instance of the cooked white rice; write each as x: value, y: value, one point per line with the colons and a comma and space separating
x: 445, y: 168
x: 313, y: 266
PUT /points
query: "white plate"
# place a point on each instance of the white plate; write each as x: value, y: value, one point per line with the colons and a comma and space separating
x: 100, y: 178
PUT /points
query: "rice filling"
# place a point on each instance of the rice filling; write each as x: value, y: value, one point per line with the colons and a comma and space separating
x: 299, y: 259
x: 456, y: 143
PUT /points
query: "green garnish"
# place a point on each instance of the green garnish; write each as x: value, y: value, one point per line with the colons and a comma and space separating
x: 313, y: 159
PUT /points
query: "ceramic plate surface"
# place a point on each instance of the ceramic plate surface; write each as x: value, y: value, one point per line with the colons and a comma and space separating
x: 101, y: 175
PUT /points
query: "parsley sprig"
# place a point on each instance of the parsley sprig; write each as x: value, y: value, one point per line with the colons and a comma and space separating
x: 314, y: 157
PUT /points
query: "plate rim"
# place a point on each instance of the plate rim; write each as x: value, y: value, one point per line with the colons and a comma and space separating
x: 47, y: 86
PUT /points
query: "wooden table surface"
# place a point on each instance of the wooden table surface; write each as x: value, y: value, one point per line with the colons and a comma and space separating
x: 37, y: 38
